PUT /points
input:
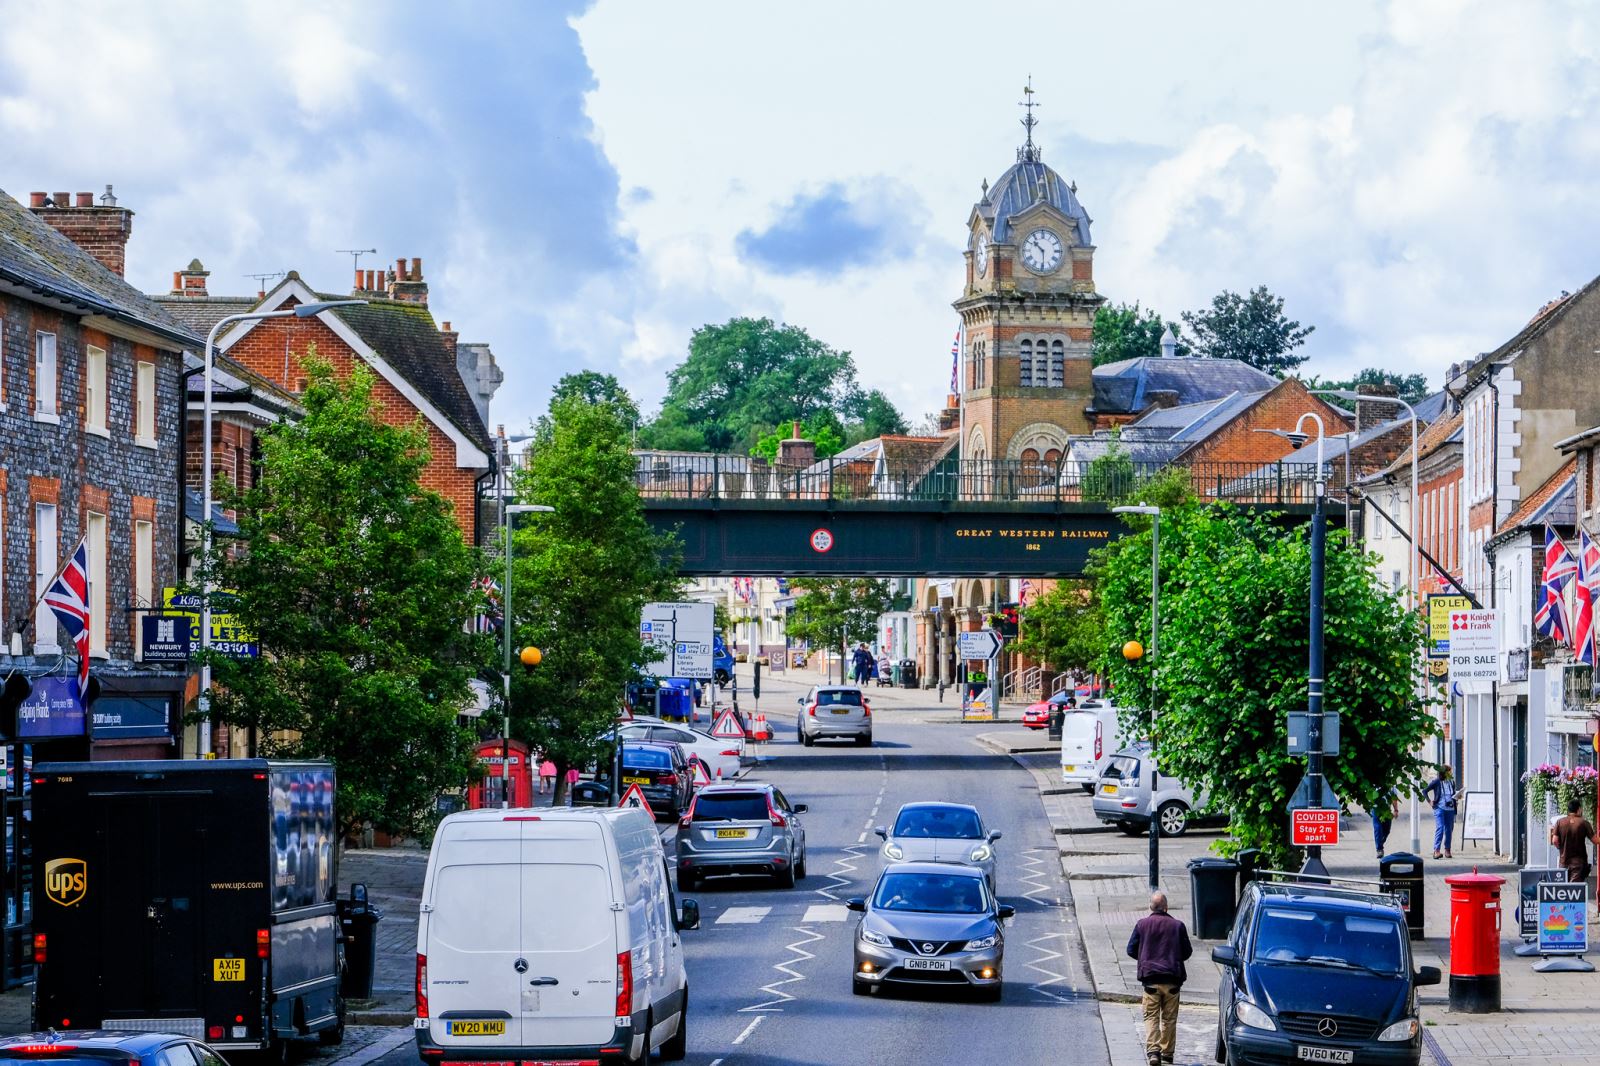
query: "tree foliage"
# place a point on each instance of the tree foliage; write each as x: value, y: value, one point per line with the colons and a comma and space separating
x: 1251, y: 328
x: 594, y: 387
x: 357, y: 583
x: 1413, y: 387
x: 1127, y: 331
x: 823, y: 428
x: 747, y: 375
x: 833, y: 612
x: 1063, y: 628
x: 581, y: 574
x: 1232, y: 663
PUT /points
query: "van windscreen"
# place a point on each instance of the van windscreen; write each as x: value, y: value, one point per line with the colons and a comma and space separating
x: 731, y: 807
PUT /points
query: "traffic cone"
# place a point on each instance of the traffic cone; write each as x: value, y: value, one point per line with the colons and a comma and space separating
x: 719, y: 775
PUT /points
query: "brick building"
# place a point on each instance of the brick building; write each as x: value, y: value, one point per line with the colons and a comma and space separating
x: 421, y: 371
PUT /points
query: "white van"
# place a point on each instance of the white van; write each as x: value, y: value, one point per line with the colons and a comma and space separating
x: 550, y: 935
x: 1090, y: 735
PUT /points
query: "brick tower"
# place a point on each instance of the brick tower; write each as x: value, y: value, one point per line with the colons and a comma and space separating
x: 1027, y: 313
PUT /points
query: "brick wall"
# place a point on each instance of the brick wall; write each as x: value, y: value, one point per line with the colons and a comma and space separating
x: 101, y: 231
x: 1238, y: 441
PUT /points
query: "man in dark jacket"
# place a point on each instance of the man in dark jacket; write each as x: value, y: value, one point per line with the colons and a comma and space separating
x: 1160, y: 943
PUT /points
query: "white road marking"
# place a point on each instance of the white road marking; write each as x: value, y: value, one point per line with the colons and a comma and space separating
x: 862, y: 838
x: 718, y: 1062
x: 757, y: 1020
x: 742, y: 915
x: 1035, y: 878
x: 825, y: 912
x: 776, y: 987
x: 868, y: 825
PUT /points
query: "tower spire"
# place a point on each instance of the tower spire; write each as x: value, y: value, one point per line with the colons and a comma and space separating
x: 1029, y: 152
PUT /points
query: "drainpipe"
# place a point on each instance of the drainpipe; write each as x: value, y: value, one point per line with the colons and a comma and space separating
x: 183, y: 479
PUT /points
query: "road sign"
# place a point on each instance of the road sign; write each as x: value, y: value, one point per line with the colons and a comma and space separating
x: 701, y: 777
x: 1313, y: 826
x: 1475, y: 646
x: 821, y: 541
x: 635, y: 798
x: 1440, y: 607
x: 727, y: 727
x: 1302, y: 798
x: 982, y: 644
x: 681, y: 636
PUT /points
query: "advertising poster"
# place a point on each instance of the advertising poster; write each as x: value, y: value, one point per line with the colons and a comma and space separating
x: 1562, y: 923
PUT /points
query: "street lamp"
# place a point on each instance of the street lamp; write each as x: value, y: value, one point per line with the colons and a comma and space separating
x: 1132, y: 651
x: 299, y: 311
x: 1297, y: 438
x: 511, y: 511
x: 1413, y: 591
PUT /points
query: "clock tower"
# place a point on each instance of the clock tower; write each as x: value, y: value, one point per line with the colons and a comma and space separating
x: 1027, y: 313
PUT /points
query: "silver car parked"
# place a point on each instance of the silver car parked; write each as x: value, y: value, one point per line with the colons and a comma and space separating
x: 834, y: 711
x: 940, y: 832
x: 929, y: 923
x: 741, y: 829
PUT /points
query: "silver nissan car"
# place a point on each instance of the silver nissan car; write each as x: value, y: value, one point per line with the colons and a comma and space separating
x: 940, y: 832
x: 930, y: 923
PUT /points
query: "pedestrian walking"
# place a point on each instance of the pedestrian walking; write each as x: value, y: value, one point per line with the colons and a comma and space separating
x: 1384, y: 812
x: 1572, y: 835
x: 1441, y: 796
x: 547, y: 776
x: 863, y: 664
x: 1160, y: 943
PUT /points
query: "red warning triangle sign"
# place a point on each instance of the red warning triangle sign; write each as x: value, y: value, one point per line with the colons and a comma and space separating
x: 701, y: 776
x: 635, y: 798
x: 727, y: 727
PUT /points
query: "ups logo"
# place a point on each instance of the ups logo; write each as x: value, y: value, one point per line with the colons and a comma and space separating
x: 66, y: 881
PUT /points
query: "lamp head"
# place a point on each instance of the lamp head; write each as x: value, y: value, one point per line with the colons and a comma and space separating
x: 1296, y: 439
x: 531, y: 656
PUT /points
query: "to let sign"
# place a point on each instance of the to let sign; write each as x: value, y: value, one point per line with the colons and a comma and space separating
x: 1313, y: 826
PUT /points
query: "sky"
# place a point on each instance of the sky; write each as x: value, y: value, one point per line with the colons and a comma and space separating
x: 587, y: 183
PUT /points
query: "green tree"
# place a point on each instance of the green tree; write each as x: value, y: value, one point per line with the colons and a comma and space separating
x: 835, y: 612
x: 357, y: 584
x: 1250, y: 328
x: 581, y: 575
x: 1064, y: 629
x: 876, y: 416
x: 1232, y: 663
x: 823, y: 428
x: 1129, y: 332
x: 594, y: 387
x: 1110, y: 478
x: 1413, y: 387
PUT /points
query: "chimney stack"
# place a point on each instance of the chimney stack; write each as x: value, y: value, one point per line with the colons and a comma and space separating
x: 796, y: 451
x: 191, y: 281
x: 101, y: 230
x: 1371, y: 414
x: 408, y: 286
x: 449, y: 336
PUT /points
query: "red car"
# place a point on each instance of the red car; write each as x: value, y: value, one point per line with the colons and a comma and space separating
x: 1037, y: 716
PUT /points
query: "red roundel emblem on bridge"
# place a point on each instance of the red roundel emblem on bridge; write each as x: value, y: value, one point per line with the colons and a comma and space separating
x: 821, y: 540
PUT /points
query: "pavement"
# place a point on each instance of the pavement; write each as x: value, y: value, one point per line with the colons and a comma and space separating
x: 1545, y: 1017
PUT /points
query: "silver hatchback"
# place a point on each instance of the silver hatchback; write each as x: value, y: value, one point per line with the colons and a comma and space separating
x: 834, y: 711
x: 929, y: 923
x: 741, y: 829
x: 940, y: 832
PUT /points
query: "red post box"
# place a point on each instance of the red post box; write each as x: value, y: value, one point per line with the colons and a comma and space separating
x: 1474, y: 942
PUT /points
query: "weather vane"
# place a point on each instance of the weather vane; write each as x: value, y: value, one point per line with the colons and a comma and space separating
x: 1028, y: 152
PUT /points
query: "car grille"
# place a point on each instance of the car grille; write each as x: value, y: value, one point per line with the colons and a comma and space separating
x: 940, y: 947
x: 1305, y: 1024
x: 931, y: 977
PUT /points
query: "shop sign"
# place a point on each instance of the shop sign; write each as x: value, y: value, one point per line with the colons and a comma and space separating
x: 115, y: 717
x: 1517, y: 665
x: 228, y: 637
x: 53, y: 709
x: 164, y: 639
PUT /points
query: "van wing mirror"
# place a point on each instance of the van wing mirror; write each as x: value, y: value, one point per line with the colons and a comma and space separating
x: 856, y: 903
x: 1428, y: 975
x: 1225, y: 955
x: 690, y: 917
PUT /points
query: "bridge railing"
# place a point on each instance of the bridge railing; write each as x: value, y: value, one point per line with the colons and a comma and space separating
x: 707, y: 476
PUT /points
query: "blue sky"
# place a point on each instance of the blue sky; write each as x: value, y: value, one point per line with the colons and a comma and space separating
x: 588, y: 183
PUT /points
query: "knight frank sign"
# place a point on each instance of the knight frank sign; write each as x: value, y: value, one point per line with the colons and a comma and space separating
x: 1474, y: 646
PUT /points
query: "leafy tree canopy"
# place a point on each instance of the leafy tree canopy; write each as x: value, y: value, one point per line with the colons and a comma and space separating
x: 597, y: 388
x: 357, y: 584
x: 1129, y: 332
x: 834, y: 612
x: 1413, y: 387
x: 1251, y: 328
x: 748, y: 375
x: 823, y: 428
x: 581, y: 574
x: 1232, y: 663
x: 1063, y: 628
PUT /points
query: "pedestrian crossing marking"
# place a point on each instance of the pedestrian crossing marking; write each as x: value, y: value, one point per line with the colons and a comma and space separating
x: 825, y: 912
x: 742, y: 915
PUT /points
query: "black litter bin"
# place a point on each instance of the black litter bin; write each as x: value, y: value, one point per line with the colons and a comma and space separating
x: 591, y: 794
x: 1249, y: 860
x: 1401, y: 874
x: 1057, y: 713
x: 1211, y: 886
x: 358, y: 924
x: 908, y: 673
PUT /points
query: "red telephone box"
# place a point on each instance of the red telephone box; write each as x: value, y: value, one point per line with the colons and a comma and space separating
x: 1474, y: 942
x: 490, y: 789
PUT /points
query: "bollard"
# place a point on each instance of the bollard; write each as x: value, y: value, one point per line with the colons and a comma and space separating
x: 1474, y: 942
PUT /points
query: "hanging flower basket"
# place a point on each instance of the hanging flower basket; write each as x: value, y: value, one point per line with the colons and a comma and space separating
x: 1579, y: 783
x: 1540, y: 783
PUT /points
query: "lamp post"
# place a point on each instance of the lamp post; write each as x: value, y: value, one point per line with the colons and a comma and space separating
x: 206, y: 589
x: 511, y: 511
x: 1131, y: 650
x: 1413, y: 588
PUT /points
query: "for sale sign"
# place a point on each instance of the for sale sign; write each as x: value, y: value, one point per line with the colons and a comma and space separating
x: 1474, y: 646
x: 1313, y: 826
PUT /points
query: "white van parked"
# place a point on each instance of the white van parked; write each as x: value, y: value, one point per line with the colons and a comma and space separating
x: 550, y: 935
x: 1090, y: 735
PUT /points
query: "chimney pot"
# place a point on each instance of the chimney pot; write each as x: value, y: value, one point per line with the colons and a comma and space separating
x: 400, y: 269
x: 36, y: 199
x: 446, y: 327
x: 416, y: 268
x: 86, y: 199
x: 108, y: 199
x: 359, y: 276
x: 795, y: 433
x: 372, y: 283
x: 177, y: 282
x: 62, y: 199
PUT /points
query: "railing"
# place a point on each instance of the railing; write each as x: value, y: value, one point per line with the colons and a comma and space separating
x: 1022, y: 684
x: 697, y: 476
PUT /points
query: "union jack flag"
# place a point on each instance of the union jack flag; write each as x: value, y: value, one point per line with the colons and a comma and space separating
x: 1587, y: 586
x: 1024, y: 590
x: 1559, y: 567
x: 68, y: 597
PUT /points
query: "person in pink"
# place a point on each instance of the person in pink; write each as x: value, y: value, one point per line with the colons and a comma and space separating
x: 547, y: 776
x: 573, y: 777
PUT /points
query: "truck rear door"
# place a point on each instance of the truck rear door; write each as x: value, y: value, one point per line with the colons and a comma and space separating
x: 569, y: 938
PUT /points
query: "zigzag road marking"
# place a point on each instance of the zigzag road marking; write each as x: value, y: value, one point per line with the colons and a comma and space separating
x: 1035, y: 877
x: 776, y: 988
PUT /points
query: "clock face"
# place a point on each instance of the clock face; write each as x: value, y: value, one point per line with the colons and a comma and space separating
x: 1041, y: 252
x: 980, y: 252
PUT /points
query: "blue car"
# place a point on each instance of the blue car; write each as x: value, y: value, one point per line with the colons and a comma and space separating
x: 721, y: 661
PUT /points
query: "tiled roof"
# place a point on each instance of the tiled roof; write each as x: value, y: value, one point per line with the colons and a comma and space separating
x: 230, y: 379
x: 200, y: 313
x: 1435, y: 436
x: 1552, y: 502
x: 1125, y: 386
x: 37, y: 259
x: 1088, y: 449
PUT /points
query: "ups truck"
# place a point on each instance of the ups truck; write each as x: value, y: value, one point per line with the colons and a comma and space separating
x: 193, y: 897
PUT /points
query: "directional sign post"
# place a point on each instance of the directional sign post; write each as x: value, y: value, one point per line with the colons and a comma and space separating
x: 980, y: 644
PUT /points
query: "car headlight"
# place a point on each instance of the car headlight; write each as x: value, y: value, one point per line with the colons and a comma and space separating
x: 983, y: 942
x: 1253, y: 1016
x: 894, y: 851
x: 872, y: 936
x: 980, y: 853
x: 1404, y: 1029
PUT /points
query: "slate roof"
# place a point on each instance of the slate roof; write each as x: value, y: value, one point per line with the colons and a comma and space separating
x: 1194, y: 422
x: 1025, y: 183
x: 231, y: 382
x: 37, y: 259
x: 200, y: 313
x: 1083, y: 450
x: 1555, y: 501
x: 194, y: 506
x: 1435, y: 436
x: 1124, y: 387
